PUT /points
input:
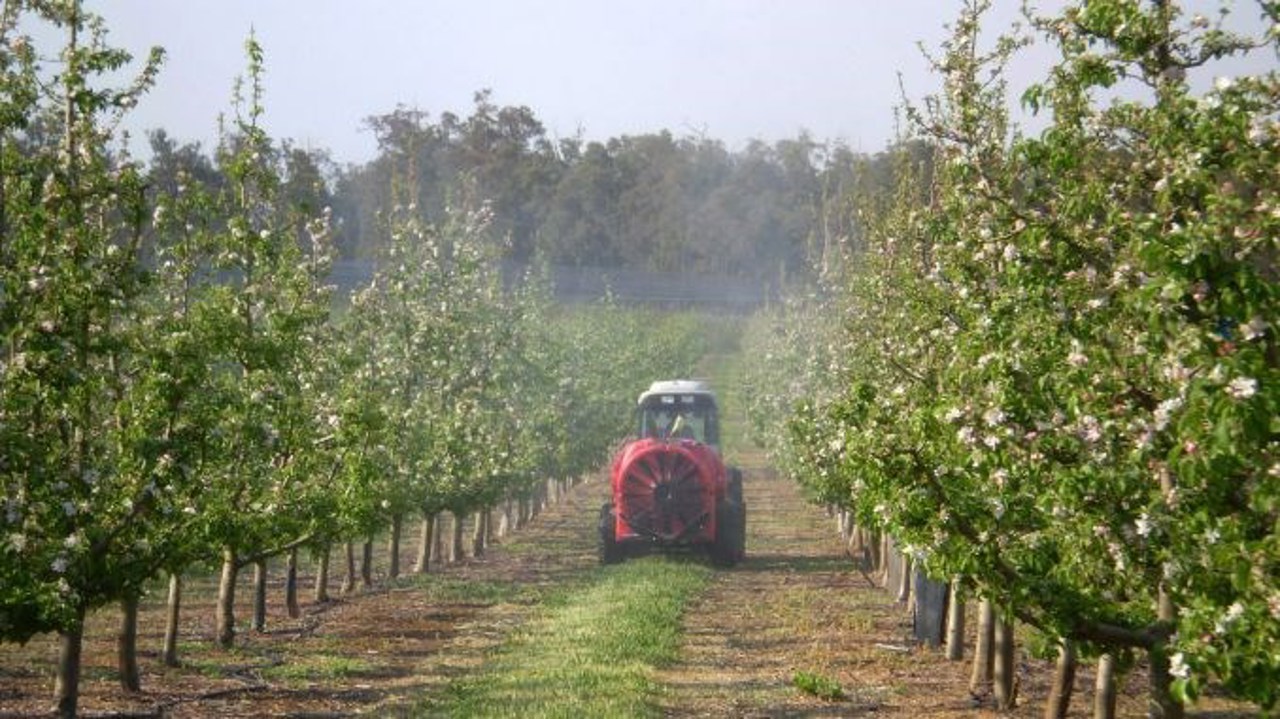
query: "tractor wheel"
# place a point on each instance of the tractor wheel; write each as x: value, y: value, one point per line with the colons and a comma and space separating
x: 731, y: 525
x: 735, y: 485
x: 610, y: 551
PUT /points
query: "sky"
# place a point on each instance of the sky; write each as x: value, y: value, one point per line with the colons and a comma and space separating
x: 732, y: 70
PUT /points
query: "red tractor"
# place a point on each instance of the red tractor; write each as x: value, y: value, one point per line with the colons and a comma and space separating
x: 671, y: 488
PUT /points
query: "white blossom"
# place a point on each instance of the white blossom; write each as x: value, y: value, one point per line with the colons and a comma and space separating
x: 1077, y: 358
x: 1090, y: 428
x: 1164, y: 411
x: 1178, y: 668
x: 1143, y: 525
x: 994, y: 417
x: 1229, y: 617
x: 59, y: 564
x: 1242, y: 387
x: 1254, y: 328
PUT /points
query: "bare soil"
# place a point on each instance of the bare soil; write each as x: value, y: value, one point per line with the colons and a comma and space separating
x: 797, y: 604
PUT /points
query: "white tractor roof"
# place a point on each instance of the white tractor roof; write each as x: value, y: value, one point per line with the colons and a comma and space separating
x: 678, y: 386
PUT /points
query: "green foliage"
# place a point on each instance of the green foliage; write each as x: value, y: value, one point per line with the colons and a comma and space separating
x: 85, y: 520
x: 651, y: 201
x: 818, y: 685
x: 1059, y: 377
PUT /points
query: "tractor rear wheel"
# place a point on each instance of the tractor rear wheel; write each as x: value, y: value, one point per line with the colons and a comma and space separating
x: 610, y: 551
x: 731, y: 533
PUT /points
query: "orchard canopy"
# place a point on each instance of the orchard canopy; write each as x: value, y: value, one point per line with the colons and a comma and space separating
x: 1048, y: 364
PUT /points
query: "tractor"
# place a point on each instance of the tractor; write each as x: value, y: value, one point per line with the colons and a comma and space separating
x: 671, y: 489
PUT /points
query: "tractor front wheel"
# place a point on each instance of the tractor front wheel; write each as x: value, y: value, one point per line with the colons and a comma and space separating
x: 610, y: 551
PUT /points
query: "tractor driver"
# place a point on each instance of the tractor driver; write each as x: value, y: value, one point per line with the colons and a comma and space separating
x: 682, y: 428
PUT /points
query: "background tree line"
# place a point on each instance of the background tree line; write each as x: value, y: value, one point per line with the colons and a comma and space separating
x: 646, y: 202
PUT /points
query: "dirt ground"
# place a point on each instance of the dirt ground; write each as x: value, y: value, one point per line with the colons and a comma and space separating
x: 797, y: 604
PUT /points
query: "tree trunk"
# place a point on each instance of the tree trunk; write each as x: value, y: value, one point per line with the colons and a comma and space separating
x: 477, y: 534
x: 1064, y: 680
x: 260, y: 595
x: 1104, y: 689
x: 539, y: 497
x: 983, y: 657
x: 291, y: 585
x: 127, y: 645
x: 349, y: 580
x: 1004, y: 678
x: 886, y: 558
x: 393, y: 546
x: 171, y: 620
x: 504, y: 519
x: 904, y: 586
x: 522, y: 512
x: 322, y: 576
x: 955, y: 622
x: 455, y: 546
x: 366, y: 563
x: 1163, y: 705
x: 66, y: 689
x: 437, y: 539
x: 226, y: 617
x: 423, y: 561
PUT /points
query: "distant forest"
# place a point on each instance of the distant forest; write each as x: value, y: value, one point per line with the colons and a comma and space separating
x: 653, y: 202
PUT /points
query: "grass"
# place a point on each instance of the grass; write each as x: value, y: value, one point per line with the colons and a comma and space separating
x: 592, y: 654
x: 818, y: 685
x: 319, y: 668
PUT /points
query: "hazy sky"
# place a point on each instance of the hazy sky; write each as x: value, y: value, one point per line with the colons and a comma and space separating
x: 732, y: 69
